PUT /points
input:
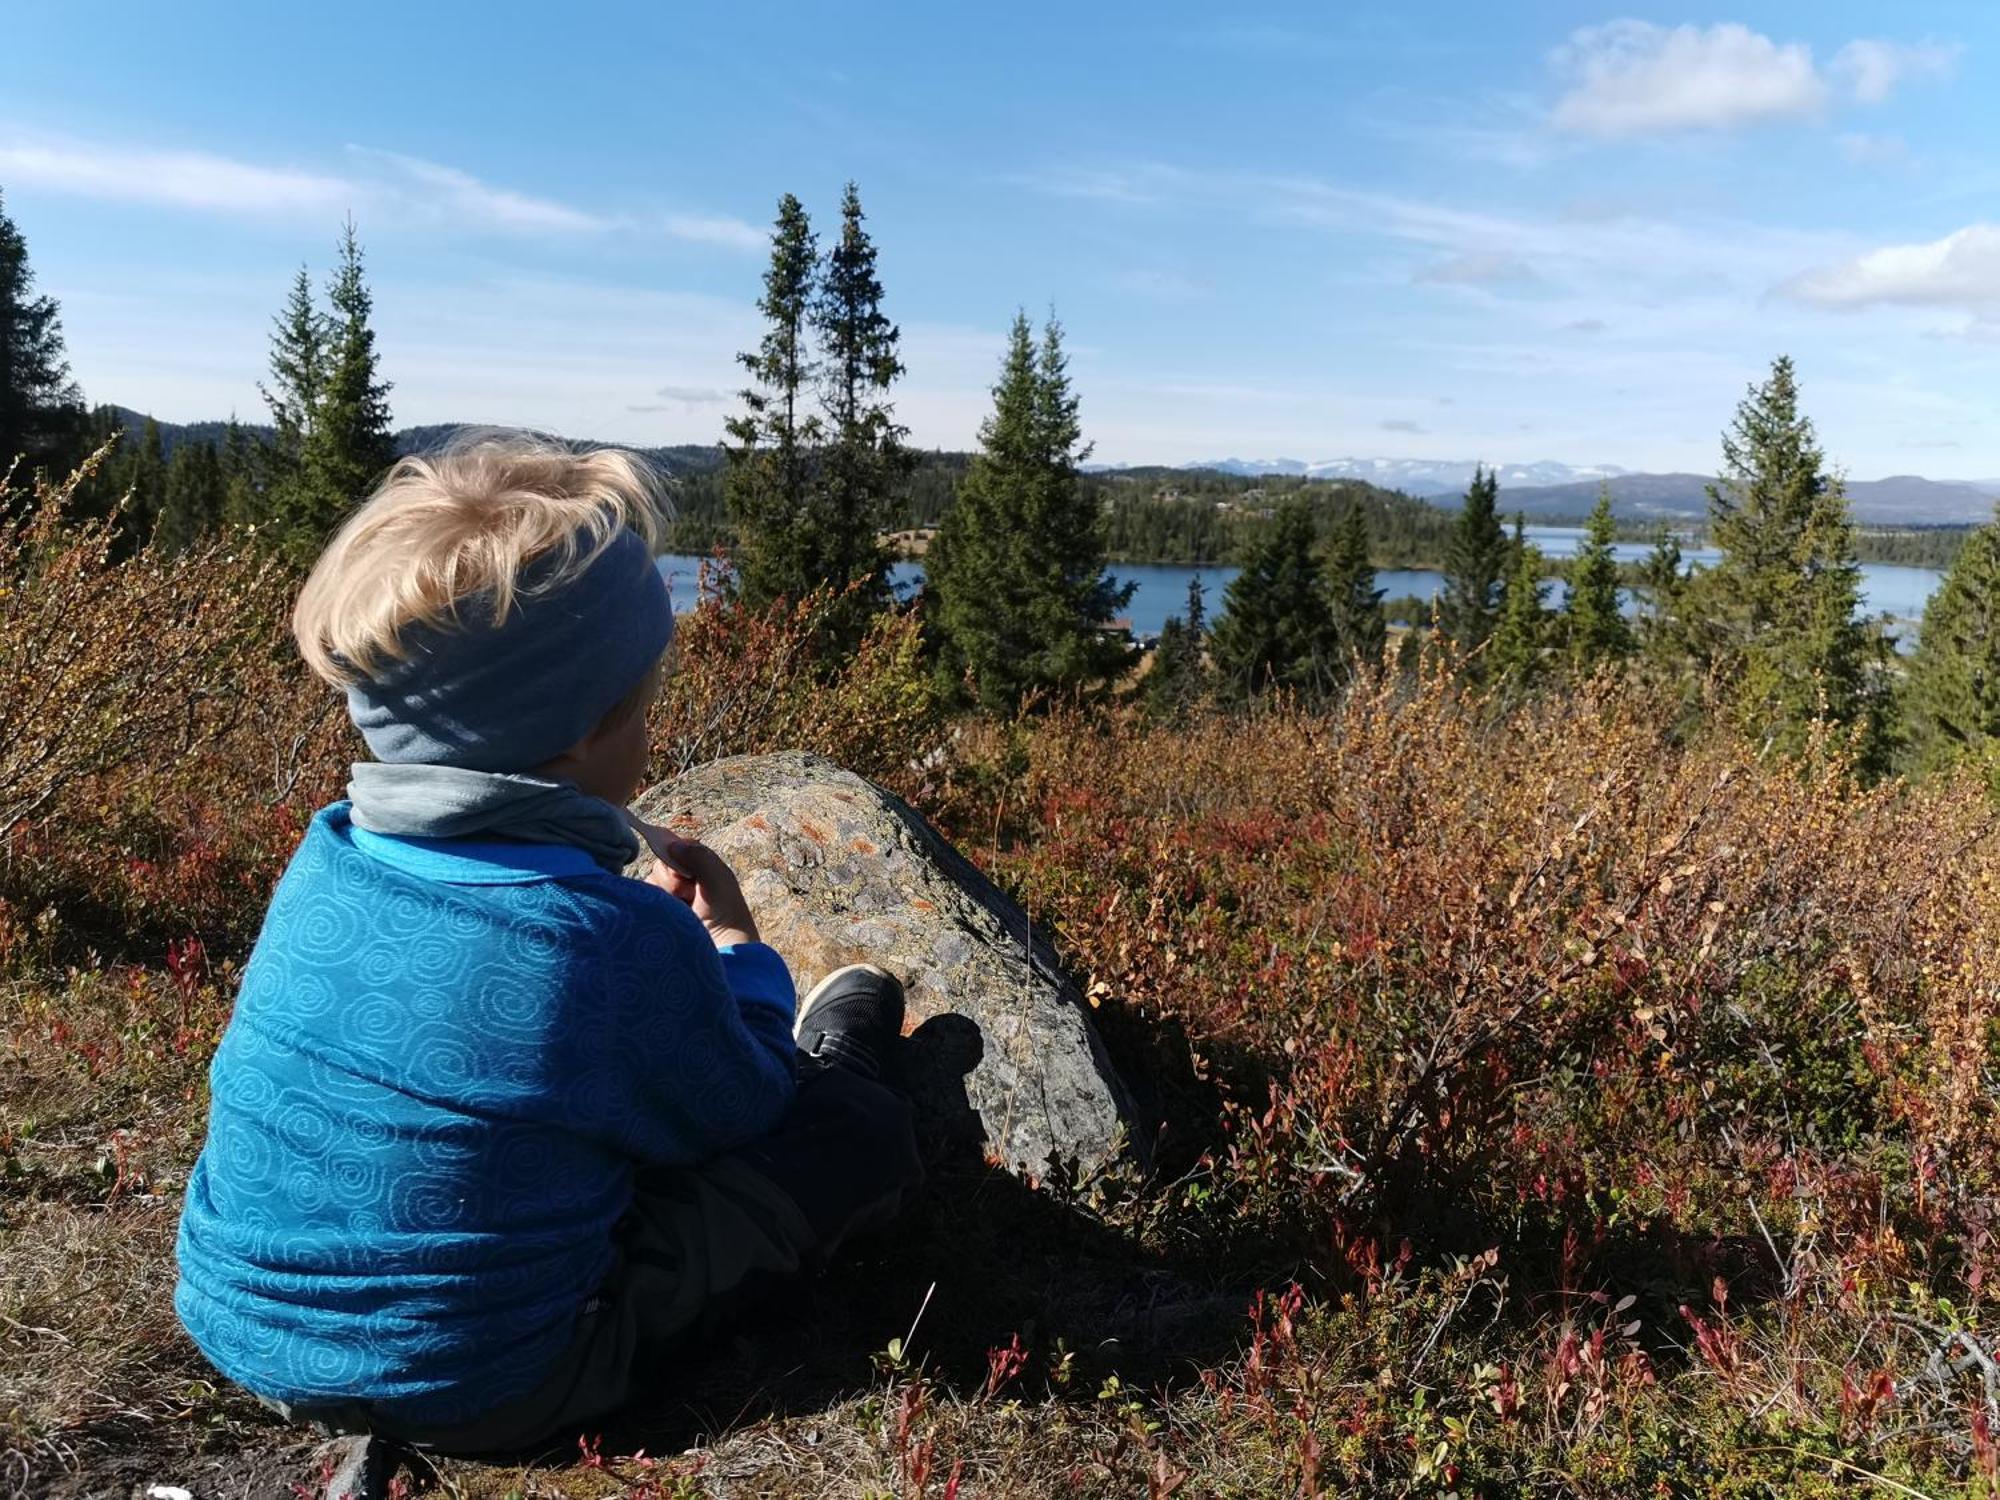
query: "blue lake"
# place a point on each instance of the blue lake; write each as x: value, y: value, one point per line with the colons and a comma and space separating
x: 1886, y: 589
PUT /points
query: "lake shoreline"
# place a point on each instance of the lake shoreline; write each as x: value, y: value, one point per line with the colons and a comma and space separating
x: 1895, y: 590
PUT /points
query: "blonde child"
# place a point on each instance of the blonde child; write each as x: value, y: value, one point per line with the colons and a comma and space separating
x: 494, y: 1125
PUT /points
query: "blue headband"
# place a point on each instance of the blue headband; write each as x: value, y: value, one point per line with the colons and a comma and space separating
x: 509, y: 697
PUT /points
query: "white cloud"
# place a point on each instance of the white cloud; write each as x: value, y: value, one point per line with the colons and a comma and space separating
x: 717, y: 229
x: 178, y: 179
x: 1962, y: 270
x: 1870, y: 70
x: 1633, y: 78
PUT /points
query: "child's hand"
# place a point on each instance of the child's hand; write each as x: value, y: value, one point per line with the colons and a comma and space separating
x: 695, y: 874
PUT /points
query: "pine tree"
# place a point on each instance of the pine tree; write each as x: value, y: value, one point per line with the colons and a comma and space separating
x: 1952, y: 693
x: 1178, y: 680
x: 41, y: 412
x: 1358, y: 623
x: 864, y: 457
x: 1522, y: 634
x: 1475, y: 567
x: 1277, y: 628
x: 1593, y: 621
x: 1018, y: 599
x: 1775, y: 617
x: 347, y: 445
x: 192, y: 507
x: 773, y: 490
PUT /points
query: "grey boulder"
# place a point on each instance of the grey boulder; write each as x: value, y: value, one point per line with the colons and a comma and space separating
x: 1002, y: 1055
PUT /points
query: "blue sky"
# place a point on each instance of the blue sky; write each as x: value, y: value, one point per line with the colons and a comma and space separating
x: 1449, y: 230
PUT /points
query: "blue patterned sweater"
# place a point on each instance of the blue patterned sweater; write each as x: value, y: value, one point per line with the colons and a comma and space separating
x: 445, y: 1062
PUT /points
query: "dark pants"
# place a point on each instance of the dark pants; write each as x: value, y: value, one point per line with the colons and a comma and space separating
x: 843, y: 1160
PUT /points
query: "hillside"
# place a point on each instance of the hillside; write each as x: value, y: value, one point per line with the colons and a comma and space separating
x: 682, y: 458
x: 1195, y: 513
x: 1532, y: 1088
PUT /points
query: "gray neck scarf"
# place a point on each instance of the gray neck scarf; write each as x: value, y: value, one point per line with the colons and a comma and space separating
x: 450, y: 802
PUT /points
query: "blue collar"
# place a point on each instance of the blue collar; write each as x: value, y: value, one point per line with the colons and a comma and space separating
x: 467, y: 861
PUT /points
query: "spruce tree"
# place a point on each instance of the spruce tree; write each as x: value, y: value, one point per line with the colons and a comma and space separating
x: 42, y: 419
x: 783, y: 545
x: 1178, y: 680
x: 1475, y: 567
x: 1522, y: 634
x: 1593, y: 622
x: 299, y: 353
x: 1952, y: 693
x: 1358, y: 623
x: 1775, y: 618
x: 242, y: 497
x: 1018, y: 599
x: 192, y: 505
x: 1277, y: 628
x: 146, y: 483
x: 1660, y: 580
x: 347, y: 446
x: 864, y: 458
x: 104, y: 492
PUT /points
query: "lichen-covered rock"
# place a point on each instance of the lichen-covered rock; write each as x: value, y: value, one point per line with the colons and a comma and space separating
x: 838, y: 871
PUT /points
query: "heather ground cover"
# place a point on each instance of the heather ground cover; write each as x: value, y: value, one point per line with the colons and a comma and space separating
x: 1549, y: 1100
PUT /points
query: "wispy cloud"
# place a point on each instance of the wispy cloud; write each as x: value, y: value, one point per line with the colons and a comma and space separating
x: 1158, y: 283
x: 1477, y: 268
x: 1872, y: 70
x: 377, y: 185
x: 1147, y: 182
x: 178, y: 179
x: 1403, y: 425
x: 1865, y: 150
x: 466, y: 199
x: 1625, y: 252
x: 718, y: 230
x: 1630, y: 78
x: 683, y: 398
x: 1961, y: 270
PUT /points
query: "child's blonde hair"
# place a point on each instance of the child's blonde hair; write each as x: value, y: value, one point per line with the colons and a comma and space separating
x: 464, y: 522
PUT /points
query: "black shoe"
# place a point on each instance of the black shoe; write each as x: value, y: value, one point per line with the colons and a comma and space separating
x: 853, y: 1019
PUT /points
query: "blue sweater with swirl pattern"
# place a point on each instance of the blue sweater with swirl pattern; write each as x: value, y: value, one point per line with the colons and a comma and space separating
x: 445, y: 1063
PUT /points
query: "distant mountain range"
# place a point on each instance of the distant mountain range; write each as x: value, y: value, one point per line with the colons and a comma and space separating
x: 1413, y: 476
x: 1549, y: 489
x: 1900, y: 500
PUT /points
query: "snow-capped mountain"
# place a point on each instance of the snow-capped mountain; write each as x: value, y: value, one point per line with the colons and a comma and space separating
x: 1415, y: 476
